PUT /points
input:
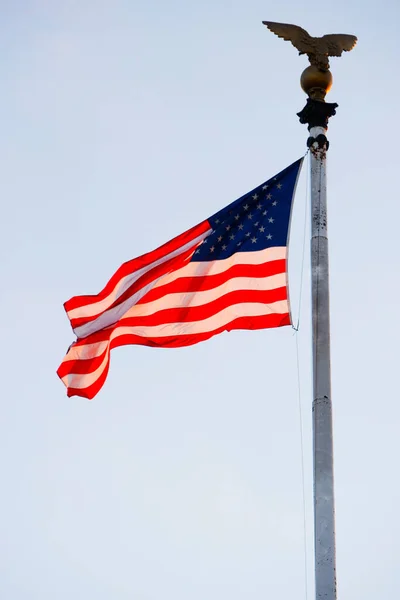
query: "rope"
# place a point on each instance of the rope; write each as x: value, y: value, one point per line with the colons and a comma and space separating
x: 302, y: 472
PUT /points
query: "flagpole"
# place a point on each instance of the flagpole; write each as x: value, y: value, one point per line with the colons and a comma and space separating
x: 316, y: 81
x: 316, y: 114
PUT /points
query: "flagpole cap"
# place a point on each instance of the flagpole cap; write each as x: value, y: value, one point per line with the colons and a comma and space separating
x: 316, y: 83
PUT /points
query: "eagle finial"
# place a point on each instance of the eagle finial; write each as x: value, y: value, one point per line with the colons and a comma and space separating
x: 318, y: 49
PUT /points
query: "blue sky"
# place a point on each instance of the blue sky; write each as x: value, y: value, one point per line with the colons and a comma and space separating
x: 183, y: 477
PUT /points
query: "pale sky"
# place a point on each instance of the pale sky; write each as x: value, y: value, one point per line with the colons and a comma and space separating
x: 124, y: 123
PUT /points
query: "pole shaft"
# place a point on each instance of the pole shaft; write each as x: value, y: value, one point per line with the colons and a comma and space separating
x: 324, y: 507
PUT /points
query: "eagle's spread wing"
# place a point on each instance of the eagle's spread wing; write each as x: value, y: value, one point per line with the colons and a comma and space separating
x: 292, y: 33
x: 337, y: 42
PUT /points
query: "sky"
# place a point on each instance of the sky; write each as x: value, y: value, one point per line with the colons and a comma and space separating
x: 183, y: 477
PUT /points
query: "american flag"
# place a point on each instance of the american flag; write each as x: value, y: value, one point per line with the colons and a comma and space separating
x: 228, y: 272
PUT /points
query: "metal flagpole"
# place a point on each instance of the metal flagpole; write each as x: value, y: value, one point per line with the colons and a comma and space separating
x: 316, y: 81
x: 324, y: 501
x: 316, y: 115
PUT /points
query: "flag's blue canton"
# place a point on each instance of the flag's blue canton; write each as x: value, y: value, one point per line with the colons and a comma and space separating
x: 255, y: 221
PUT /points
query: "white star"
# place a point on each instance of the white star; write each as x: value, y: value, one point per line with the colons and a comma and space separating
x: 240, y: 227
x: 250, y: 216
x: 248, y: 234
x: 269, y: 237
x: 256, y: 224
x: 269, y: 196
x: 279, y: 186
x: 253, y: 240
x: 264, y: 213
x: 228, y: 227
x: 262, y: 229
x: 197, y: 251
x: 220, y: 238
x: 274, y: 203
x: 259, y: 206
x: 271, y: 220
x: 232, y: 237
x: 217, y: 221
x: 212, y: 248
x: 255, y: 197
x: 204, y: 241
x: 246, y: 207
x: 264, y: 187
x: 237, y: 217
x: 239, y: 244
x: 224, y: 247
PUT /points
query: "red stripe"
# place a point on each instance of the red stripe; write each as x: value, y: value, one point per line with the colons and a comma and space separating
x: 199, y: 313
x: 92, y: 390
x: 208, y: 282
x: 145, y: 279
x: 190, y: 284
x: 260, y: 322
x: 80, y: 367
x: 138, y: 263
x: 189, y: 314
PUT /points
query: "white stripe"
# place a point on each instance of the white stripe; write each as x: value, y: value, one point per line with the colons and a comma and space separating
x: 78, y: 381
x: 199, y: 269
x: 89, y: 310
x: 192, y: 269
x: 192, y: 299
x: 114, y: 314
x: 88, y: 351
x: 224, y: 317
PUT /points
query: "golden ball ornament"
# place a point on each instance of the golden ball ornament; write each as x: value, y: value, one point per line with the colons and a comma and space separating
x: 315, y: 82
